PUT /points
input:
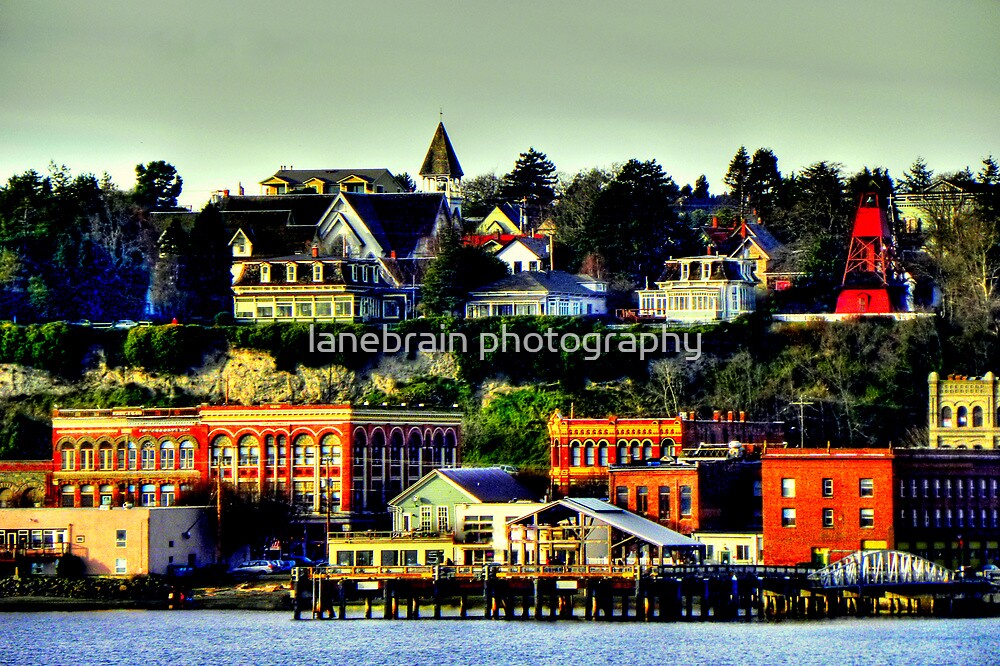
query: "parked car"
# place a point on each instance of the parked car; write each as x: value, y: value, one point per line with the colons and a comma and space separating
x: 282, y: 565
x: 254, y: 567
x: 300, y: 561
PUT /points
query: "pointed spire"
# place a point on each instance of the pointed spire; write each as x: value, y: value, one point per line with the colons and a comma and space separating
x: 441, y: 159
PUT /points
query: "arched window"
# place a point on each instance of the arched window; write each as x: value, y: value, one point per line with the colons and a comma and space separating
x: 622, y: 452
x: 589, y: 453
x: 269, y: 451
x: 575, y: 459
x: 187, y: 454
x: 87, y: 456
x: 977, y: 417
x: 68, y: 456
x: 132, y: 455
x: 636, y: 450
x: 962, y: 417
x: 106, y: 493
x: 148, y: 456
x: 304, y: 451
x: 68, y: 496
x: 105, y: 456
x: 120, y: 454
x: 602, y: 453
x: 167, y: 497
x: 946, y: 417
x: 330, y: 450
x: 167, y: 455
x: 647, y: 449
x: 249, y: 451
x: 222, y: 451
x: 148, y: 495
x: 6, y: 497
x: 87, y: 495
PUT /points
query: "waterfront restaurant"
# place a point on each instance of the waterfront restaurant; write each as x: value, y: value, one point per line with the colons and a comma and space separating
x: 585, y: 531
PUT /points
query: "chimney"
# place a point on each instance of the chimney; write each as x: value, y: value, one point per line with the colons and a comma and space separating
x: 730, y: 415
x: 716, y: 415
x: 392, y: 254
x: 743, y: 417
x: 708, y: 250
x: 715, y: 222
x: 315, y: 250
x: 225, y: 193
x: 743, y: 228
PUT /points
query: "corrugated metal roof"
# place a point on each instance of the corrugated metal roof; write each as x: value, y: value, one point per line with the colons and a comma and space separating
x: 630, y: 523
x: 488, y: 484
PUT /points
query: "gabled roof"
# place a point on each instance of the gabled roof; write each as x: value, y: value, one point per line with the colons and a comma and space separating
x: 487, y: 484
x: 542, y: 281
x: 538, y: 246
x: 481, y: 484
x: 622, y: 520
x: 398, y: 221
x: 276, y: 225
x: 406, y: 272
x: 441, y: 159
x: 301, y: 176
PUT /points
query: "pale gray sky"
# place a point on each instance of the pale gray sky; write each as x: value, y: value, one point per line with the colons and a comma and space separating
x: 230, y: 91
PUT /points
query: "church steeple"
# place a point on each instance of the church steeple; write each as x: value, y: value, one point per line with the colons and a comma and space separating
x: 441, y: 171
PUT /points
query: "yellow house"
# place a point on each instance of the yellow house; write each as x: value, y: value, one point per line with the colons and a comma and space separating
x: 503, y: 219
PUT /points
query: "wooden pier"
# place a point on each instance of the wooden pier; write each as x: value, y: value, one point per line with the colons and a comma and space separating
x: 612, y: 593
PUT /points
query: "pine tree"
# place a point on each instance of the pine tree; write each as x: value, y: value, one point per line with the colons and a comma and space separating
x: 531, y: 183
x: 736, y: 177
x: 918, y: 177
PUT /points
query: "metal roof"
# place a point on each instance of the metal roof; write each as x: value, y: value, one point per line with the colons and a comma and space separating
x: 630, y: 523
x: 487, y: 484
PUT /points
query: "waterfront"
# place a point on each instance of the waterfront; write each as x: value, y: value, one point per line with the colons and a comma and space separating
x: 232, y: 637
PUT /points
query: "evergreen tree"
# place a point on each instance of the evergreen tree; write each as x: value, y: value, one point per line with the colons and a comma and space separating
x: 157, y: 185
x: 634, y: 226
x: 736, y: 177
x: 701, y: 188
x: 918, y: 177
x: 531, y: 183
x: 763, y: 183
x: 455, y: 271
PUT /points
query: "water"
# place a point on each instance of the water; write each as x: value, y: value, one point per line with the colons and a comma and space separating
x: 231, y: 637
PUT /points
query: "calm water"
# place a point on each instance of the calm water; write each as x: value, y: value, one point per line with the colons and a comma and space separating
x: 229, y: 637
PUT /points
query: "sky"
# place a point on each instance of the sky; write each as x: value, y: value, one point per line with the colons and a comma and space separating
x: 228, y: 92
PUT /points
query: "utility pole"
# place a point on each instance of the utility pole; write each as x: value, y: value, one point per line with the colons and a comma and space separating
x: 802, y: 404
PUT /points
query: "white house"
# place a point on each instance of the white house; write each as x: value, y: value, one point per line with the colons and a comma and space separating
x: 701, y: 289
x: 539, y: 293
x: 526, y: 253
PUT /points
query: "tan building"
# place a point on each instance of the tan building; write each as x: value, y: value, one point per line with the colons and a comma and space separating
x: 962, y: 412
x: 110, y: 541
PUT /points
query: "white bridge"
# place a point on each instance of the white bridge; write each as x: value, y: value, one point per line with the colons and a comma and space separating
x: 881, y: 567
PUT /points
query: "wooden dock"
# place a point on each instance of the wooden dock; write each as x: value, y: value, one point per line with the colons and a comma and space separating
x: 667, y: 593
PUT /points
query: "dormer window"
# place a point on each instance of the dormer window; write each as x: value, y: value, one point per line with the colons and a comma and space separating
x: 685, y: 270
x: 290, y: 274
x: 706, y: 270
x: 317, y: 272
x: 265, y: 272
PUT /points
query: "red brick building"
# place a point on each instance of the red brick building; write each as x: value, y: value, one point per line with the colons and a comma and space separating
x: 582, y: 450
x: 948, y: 505
x: 691, y: 495
x: 822, y: 504
x: 357, y: 456
x: 24, y: 483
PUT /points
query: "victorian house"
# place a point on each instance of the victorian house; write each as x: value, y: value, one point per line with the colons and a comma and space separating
x: 700, y: 290
x: 355, y: 249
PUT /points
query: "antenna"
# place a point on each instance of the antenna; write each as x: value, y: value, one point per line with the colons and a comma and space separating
x: 802, y: 407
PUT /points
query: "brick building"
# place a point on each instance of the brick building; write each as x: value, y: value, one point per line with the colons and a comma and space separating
x: 947, y: 505
x: 358, y: 457
x: 823, y: 504
x: 582, y: 450
x: 691, y: 495
x: 24, y: 483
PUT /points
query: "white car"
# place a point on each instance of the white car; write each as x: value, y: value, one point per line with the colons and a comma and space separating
x: 254, y: 567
